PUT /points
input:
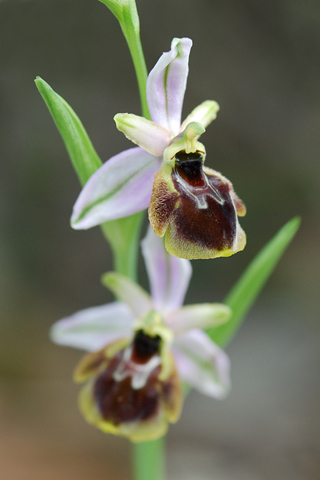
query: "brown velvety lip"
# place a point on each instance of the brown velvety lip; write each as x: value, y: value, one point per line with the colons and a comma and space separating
x: 206, y: 215
x: 118, y: 402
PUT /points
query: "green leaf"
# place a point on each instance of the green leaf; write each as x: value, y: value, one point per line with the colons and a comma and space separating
x: 82, y: 154
x: 248, y: 287
x: 123, y: 234
x: 115, y: 7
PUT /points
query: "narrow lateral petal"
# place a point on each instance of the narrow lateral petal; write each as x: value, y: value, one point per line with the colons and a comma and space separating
x: 202, y: 364
x: 93, y: 328
x: 169, y: 276
x: 148, y: 135
x: 203, y: 315
x: 204, y: 113
x: 166, y: 85
x: 121, y: 187
x: 128, y: 292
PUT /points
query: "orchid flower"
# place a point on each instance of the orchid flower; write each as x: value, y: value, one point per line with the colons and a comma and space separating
x: 142, y: 347
x: 195, y: 207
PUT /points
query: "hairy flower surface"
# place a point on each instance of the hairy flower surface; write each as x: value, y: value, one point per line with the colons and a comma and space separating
x: 195, y: 207
x: 142, y: 347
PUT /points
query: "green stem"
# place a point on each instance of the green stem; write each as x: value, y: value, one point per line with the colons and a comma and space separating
x: 148, y: 460
x: 123, y: 235
x: 148, y: 457
x: 131, y: 30
x: 141, y: 73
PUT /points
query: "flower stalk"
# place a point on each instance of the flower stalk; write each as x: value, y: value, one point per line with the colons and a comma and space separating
x: 123, y: 236
x: 148, y: 457
x: 149, y: 460
x: 126, y: 13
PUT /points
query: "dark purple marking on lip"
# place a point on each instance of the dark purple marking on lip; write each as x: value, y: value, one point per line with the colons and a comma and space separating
x: 118, y: 401
x: 189, y: 167
x: 144, y: 347
x: 206, y: 215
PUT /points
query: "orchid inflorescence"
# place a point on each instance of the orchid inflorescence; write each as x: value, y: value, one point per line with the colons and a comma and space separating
x: 145, y: 351
x: 143, y: 348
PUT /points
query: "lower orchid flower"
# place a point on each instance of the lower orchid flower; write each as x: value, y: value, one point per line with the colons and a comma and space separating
x: 195, y: 207
x: 142, y: 347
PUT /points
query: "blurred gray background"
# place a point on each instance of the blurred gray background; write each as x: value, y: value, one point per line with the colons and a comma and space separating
x: 260, y: 61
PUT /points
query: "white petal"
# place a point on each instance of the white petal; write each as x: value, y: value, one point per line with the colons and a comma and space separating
x: 148, y: 135
x: 169, y: 276
x: 166, y: 85
x: 202, y: 364
x: 93, y: 328
x: 204, y: 113
x: 128, y: 292
x: 121, y: 187
x: 202, y: 315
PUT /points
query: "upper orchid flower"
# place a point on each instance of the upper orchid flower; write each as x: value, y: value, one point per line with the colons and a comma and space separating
x: 143, y: 347
x: 195, y: 207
